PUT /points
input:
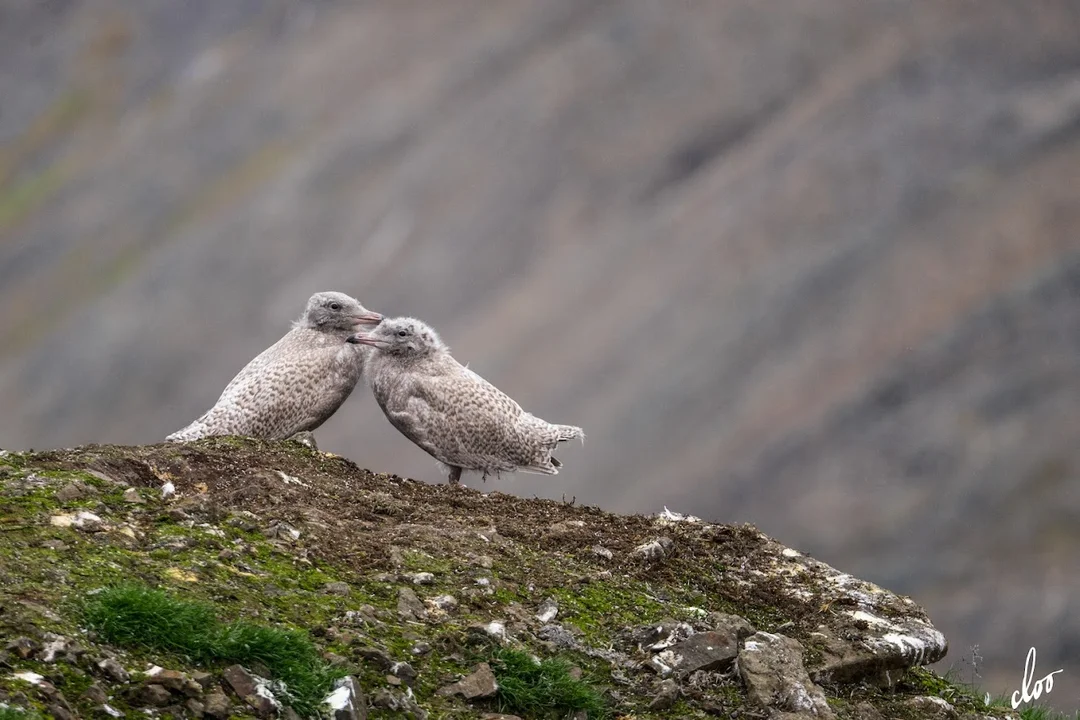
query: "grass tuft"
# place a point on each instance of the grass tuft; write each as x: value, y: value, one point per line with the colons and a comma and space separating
x: 138, y: 616
x: 544, y: 689
x: 10, y: 712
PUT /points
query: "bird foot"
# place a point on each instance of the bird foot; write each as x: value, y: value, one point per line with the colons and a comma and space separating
x: 305, y: 438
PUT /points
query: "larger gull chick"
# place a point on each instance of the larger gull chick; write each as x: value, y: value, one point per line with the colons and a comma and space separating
x: 458, y: 417
x: 297, y: 383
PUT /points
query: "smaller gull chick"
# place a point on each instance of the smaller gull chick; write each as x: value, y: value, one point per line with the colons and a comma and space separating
x: 297, y: 383
x: 458, y: 417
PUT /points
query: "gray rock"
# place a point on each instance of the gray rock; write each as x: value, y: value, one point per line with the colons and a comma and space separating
x: 94, y: 694
x: 772, y: 669
x: 217, y: 706
x: 173, y: 680
x: 252, y: 689
x: 204, y: 679
x: 24, y: 647
x: 666, y: 696
x: 59, y: 712
x: 336, y: 588
x: 132, y: 495
x: 734, y: 624
x: 442, y: 603
x: 603, y: 552
x: 656, y: 549
x: 347, y: 700
x: 403, y: 671
x: 932, y: 708
x: 711, y: 651
x: 376, y: 657
x: 75, y: 490
x: 478, y: 684
x: 194, y: 707
x: 153, y: 695
x: 398, y: 702
x: 409, y: 606
x: 421, y: 578
x: 113, y: 670
x: 547, y: 610
x: 55, y: 647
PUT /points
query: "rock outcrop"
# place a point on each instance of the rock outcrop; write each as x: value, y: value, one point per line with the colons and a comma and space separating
x: 425, y: 598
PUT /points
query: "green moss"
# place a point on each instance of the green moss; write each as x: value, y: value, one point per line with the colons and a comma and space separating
x: 598, y: 608
x: 7, y: 712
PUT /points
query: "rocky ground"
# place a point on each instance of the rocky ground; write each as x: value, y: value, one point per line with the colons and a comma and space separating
x: 428, y: 601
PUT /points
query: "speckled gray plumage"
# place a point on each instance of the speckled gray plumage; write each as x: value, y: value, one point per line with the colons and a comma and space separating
x: 297, y: 383
x: 458, y: 417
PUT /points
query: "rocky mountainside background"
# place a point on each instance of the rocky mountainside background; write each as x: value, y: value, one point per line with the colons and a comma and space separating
x: 238, y: 578
x: 811, y: 266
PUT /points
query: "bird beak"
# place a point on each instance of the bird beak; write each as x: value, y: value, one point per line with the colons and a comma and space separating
x: 368, y: 318
x: 361, y: 339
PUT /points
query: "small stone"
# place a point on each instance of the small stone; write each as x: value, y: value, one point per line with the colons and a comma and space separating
x: 665, y: 696
x: 409, y: 606
x: 204, y: 679
x: 547, y: 611
x: 421, y: 648
x: 169, y: 679
x: 336, y: 588
x: 734, y: 624
x: 59, y: 712
x: 131, y: 495
x: 391, y: 680
x: 703, y: 651
x: 54, y: 544
x: 932, y: 708
x: 24, y: 647
x: 253, y: 689
x: 403, y: 671
x: 75, y: 491
x: 421, y: 578
x: 771, y: 667
x: 485, y: 632
x: 113, y: 670
x: 376, y: 657
x: 194, y: 707
x: 479, y: 684
x: 442, y: 603
x: 177, y: 515
x: 56, y: 647
x: 347, y: 700
x: 601, y: 551
x: 485, y: 562
x: 154, y: 695
x: 217, y: 706
x: 94, y: 694
x: 656, y: 549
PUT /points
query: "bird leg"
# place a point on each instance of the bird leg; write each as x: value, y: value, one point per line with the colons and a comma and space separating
x: 455, y: 475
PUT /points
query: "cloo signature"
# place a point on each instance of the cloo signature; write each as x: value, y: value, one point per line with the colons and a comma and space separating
x: 1027, y: 691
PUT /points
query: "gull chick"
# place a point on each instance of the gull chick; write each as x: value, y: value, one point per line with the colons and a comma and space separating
x: 297, y: 383
x: 458, y: 417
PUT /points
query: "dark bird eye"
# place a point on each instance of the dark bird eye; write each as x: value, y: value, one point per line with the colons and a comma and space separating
x: 335, y: 306
x: 402, y: 333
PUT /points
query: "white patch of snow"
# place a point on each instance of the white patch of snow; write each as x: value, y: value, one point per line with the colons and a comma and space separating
x: 338, y: 699
x: 110, y: 710
x: 31, y: 677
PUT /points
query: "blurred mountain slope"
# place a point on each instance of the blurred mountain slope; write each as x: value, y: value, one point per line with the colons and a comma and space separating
x: 812, y: 267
